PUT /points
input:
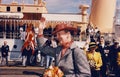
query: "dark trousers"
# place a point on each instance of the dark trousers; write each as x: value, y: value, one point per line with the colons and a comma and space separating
x: 95, y: 73
x: 28, y: 60
x: 118, y: 72
x: 4, y: 60
x: 103, y: 71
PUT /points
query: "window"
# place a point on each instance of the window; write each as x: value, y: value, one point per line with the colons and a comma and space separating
x: 8, y: 8
x: 19, y: 9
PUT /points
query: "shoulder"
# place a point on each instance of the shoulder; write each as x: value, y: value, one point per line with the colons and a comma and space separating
x: 98, y: 53
x: 2, y: 46
x: 79, y: 53
x: 76, y: 49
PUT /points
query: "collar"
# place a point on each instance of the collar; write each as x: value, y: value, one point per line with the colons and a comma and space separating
x: 73, y: 45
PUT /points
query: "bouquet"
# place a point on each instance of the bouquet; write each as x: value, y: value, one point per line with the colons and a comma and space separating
x: 92, y: 64
x: 53, y: 71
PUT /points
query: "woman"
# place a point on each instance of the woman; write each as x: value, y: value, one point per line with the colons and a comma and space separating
x: 29, y: 37
x: 94, y: 59
x: 26, y: 54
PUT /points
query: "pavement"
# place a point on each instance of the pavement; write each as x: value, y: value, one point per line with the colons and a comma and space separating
x: 13, y: 71
x: 16, y: 70
x: 19, y: 76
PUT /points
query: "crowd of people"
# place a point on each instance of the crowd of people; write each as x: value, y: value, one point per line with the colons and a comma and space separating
x: 100, y: 59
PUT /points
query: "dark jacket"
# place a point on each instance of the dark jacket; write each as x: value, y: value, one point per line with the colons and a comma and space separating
x: 105, y: 56
x: 5, y: 50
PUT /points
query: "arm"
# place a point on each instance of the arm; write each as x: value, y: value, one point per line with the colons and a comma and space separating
x: 118, y: 58
x: 8, y: 49
x: 81, y: 63
x: 99, y: 64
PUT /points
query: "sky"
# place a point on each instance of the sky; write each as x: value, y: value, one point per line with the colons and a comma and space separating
x: 60, y: 6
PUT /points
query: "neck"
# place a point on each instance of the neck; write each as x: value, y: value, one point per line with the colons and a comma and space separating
x: 92, y: 51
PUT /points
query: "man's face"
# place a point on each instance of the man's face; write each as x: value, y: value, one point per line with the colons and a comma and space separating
x: 101, y: 40
x: 63, y: 37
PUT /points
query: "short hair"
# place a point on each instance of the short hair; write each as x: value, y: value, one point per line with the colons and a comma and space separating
x: 102, y: 37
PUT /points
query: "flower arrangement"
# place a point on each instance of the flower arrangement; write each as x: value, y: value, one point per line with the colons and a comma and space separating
x: 53, y: 71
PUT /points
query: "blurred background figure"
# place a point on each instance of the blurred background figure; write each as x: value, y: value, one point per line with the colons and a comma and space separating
x: 118, y: 64
x: 26, y: 54
x: 4, y: 51
x: 22, y: 34
x: 94, y: 59
x: 102, y: 48
x: 113, y: 56
x: 30, y: 37
x: 41, y: 39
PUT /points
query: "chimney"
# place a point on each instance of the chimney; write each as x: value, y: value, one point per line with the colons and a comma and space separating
x: 84, y: 12
x: 35, y: 2
x: 39, y: 2
x: 84, y: 15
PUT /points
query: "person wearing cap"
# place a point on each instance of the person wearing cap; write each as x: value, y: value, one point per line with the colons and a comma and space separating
x: 68, y: 57
x: 94, y: 59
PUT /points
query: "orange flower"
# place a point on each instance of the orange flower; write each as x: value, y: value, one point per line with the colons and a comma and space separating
x: 53, y: 71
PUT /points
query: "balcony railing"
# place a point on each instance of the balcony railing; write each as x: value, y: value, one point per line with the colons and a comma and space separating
x: 10, y: 35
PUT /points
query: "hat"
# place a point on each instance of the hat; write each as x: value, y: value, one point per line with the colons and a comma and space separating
x: 60, y: 27
x: 92, y: 44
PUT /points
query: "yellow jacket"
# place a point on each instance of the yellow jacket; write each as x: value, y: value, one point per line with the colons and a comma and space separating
x: 118, y: 58
x: 96, y: 57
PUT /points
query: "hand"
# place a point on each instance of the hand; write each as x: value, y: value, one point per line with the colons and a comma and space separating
x: 92, y: 64
x: 42, y: 26
x: 4, y: 53
x: 106, y: 51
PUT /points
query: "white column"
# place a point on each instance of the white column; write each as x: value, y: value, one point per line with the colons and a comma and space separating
x: 102, y: 14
